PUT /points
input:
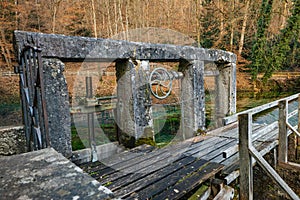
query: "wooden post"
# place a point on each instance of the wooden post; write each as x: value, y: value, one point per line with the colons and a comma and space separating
x: 283, y: 141
x: 246, y: 173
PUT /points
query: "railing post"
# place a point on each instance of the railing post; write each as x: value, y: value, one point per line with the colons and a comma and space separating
x: 283, y: 140
x: 246, y: 173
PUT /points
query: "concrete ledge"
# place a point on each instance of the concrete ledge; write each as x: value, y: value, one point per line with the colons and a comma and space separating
x: 12, y: 140
x: 103, y: 151
x: 46, y: 174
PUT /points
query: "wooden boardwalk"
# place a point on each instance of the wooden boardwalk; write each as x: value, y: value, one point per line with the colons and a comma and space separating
x: 176, y: 170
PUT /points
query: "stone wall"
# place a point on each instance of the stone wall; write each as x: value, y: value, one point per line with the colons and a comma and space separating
x: 133, y: 118
x: 12, y: 140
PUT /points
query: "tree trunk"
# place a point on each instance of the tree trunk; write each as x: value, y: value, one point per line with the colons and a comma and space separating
x: 232, y: 25
x: 284, y: 15
x: 94, y: 19
x: 55, y: 9
x: 222, y: 25
x: 199, y: 20
x: 110, y: 31
x: 4, y: 49
x: 241, y: 43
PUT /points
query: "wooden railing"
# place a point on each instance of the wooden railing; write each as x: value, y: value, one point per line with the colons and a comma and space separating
x: 248, y: 154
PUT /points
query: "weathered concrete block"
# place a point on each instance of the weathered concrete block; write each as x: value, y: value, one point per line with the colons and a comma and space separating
x: 46, y: 174
x: 193, y: 98
x: 134, y: 112
x: 57, y: 106
x: 103, y: 151
x: 12, y: 140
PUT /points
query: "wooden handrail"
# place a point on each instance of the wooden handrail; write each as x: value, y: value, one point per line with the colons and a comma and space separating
x: 234, y: 118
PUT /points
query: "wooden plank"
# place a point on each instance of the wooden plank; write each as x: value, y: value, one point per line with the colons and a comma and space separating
x: 143, y: 167
x: 210, y: 154
x: 216, y: 142
x: 267, y: 168
x: 292, y: 114
x: 268, y: 136
x: 231, y: 151
x: 226, y: 193
x: 229, y: 161
x: 190, y: 182
x: 195, y: 146
x: 130, y: 166
x: 246, y: 175
x: 263, y: 131
x: 217, y: 153
x: 118, y: 158
x: 228, y: 131
x: 120, y: 162
x: 168, y: 181
x: 211, y: 150
x: 161, y: 169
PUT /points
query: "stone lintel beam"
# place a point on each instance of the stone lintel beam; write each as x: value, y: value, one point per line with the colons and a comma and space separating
x: 81, y: 48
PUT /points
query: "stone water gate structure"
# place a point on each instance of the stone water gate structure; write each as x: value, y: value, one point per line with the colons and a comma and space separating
x: 45, y: 98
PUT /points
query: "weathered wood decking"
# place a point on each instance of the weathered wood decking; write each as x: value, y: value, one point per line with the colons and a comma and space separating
x: 173, y: 171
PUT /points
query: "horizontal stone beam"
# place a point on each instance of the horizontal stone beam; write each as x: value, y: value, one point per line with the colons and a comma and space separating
x: 84, y: 48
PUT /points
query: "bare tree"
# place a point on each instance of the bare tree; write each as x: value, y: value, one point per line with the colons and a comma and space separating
x: 246, y: 12
x: 94, y: 18
x: 55, y: 5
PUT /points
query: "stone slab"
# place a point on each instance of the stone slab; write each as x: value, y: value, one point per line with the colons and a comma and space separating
x: 80, y: 48
x: 46, y: 174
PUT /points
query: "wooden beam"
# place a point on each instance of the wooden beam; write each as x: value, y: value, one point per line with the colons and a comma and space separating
x: 246, y: 173
x: 225, y: 193
x: 294, y: 130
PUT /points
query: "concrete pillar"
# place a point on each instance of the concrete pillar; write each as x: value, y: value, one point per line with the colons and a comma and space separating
x: 225, y: 102
x: 134, y: 111
x: 57, y: 106
x: 192, y: 98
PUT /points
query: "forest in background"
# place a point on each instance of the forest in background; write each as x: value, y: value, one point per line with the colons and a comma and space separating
x: 263, y: 33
